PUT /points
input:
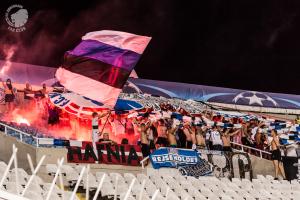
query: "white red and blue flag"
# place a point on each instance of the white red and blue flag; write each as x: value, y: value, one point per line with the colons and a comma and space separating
x: 100, y: 65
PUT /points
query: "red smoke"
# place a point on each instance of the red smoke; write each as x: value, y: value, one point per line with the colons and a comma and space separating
x: 69, y: 127
x: 9, y: 52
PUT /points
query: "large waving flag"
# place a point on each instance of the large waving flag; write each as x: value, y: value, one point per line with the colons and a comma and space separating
x: 100, y: 65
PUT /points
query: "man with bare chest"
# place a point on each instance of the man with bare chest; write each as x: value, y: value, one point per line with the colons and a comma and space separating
x: 172, y: 135
x: 200, y: 139
x: 227, y: 133
x: 145, y: 145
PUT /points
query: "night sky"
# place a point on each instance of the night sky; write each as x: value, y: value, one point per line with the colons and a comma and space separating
x: 245, y: 44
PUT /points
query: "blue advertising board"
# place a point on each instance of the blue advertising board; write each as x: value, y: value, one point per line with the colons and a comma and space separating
x: 213, y: 94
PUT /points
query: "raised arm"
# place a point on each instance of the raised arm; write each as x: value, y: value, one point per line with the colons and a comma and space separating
x: 173, y: 130
x: 104, y: 114
x: 260, y: 124
x: 148, y: 125
x: 277, y: 141
x: 235, y: 132
x: 134, y: 121
x: 245, y: 129
x: 226, y: 132
x: 3, y: 83
x: 155, y: 124
x: 191, y: 130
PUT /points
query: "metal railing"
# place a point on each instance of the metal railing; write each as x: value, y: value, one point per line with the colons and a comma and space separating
x: 243, y: 147
x: 143, y: 161
x: 22, y: 136
x: 35, y: 141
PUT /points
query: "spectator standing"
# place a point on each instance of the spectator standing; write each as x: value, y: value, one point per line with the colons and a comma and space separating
x: 145, y: 143
x: 117, y: 126
x: 226, y: 139
x: 129, y: 126
x: 172, y: 136
x: 245, y: 140
x: 215, y: 136
x: 105, y: 139
x: 276, y: 155
x: 200, y: 141
x: 27, y: 92
x: 258, y: 137
x: 9, y: 95
x: 208, y: 141
x: 162, y: 138
x: 187, y: 132
x: 95, y: 129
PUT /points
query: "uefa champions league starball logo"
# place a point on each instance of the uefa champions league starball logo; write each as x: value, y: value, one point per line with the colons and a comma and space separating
x: 255, y: 98
x: 16, y: 17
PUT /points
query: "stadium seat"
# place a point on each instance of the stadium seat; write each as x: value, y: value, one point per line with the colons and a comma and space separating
x: 51, y: 169
x: 92, y: 181
x: 130, y: 197
x: 33, y: 195
x: 3, y: 166
x: 46, y: 188
x: 295, y: 182
x: 21, y: 172
x: 38, y: 180
x: 36, y: 188
x: 136, y: 189
x: 67, y: 195
x: 170, y: 184
x: 54, y: 196
x: 107, y: 190
x: 128, y: 177
x: 12, y: 178
x: 12, y: 187
x: 172, y: 196
x: 269, y: 177
x: 232, y: 194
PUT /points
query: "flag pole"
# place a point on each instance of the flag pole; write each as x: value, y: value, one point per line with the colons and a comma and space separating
x: 105, y: 123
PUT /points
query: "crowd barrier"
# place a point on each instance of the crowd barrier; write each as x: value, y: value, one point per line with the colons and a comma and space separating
x: 244, y: 148
x: 20, y: 135
x: 58, y: 143
x: 29, y: 138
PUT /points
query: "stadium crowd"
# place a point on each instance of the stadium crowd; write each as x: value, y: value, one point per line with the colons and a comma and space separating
x: 177, y: 128
x: 167, y: 123
x: 173, y: 124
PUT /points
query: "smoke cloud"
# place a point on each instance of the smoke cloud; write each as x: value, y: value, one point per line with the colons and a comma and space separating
x: 51, y: 32
x: 9, y: 51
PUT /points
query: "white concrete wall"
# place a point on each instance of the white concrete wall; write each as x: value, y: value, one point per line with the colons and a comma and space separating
x: 259, y: 166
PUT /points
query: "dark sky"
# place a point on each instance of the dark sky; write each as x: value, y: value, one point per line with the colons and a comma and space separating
x: 246, y: 44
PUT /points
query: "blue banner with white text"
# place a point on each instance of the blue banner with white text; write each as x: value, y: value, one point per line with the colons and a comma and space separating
x: 172, y: 157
